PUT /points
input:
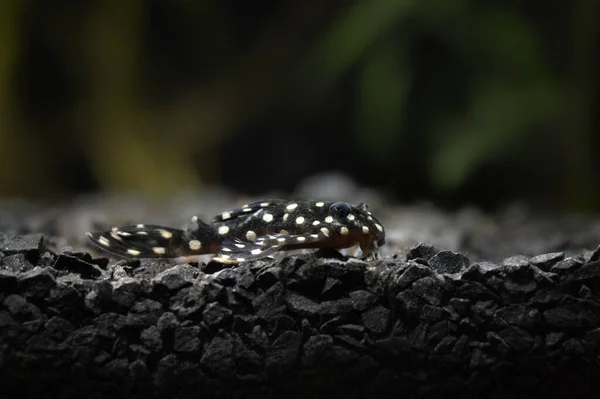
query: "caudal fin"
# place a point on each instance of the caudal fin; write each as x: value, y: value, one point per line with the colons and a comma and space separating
x: 140, y: 241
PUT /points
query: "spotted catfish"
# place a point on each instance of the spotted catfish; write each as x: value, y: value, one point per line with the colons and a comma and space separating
x: 253, y: 231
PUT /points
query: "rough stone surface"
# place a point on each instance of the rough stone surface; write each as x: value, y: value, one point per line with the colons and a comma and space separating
x: 449, y: 262
x: 81, y: 264
x: 546, y: 261
x: 422, y: 251
x: 430, y: 325
x: 36, y: 283
x: 16, y: 263
x: 31, y: 245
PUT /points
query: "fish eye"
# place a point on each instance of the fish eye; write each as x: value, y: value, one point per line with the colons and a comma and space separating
x: 340, y: 209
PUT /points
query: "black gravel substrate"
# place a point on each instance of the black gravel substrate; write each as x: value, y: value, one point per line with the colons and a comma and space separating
x: 425, y: 323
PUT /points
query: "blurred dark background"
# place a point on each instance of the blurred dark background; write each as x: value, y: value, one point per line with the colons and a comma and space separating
x: 456, y: 101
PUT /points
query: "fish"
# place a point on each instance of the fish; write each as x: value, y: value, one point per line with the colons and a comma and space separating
x: 251, y: 232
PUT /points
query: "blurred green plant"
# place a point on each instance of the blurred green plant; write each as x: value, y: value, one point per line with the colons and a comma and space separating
x: 500, y: 83
x: 513, y: 89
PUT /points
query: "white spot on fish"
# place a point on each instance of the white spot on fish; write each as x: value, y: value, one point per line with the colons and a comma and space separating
x: 104, y: 241
x: 344, y: 231
x: 378, y: 227
x: 291, y: 207
x: 240, y: 259
x: 240, y: 245
x: 143, y: 233
x: 350, y: 216
x: 325, y: 231
x: 316, y: 223
x: 365, y: 230
x: 264, y: 204
x: 115, y: 236
x: 250, y: 235
x: 139, y: 226
x: 133, y: 252
x: 226, y: 215
x: 195, y: 245
x: 299, y: 220
x: 158, y: 250
x: 255, y: 251
x: 267, y: 217
x: 281, y: 239
x: 329, y: 219
x: 166, y: 234
x: 300, y: 239
x: 223, y: 230
x: 285, y: 217
x: 247, y: 209
x: 320, y: 204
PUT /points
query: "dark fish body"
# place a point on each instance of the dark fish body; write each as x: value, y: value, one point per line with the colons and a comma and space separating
x: 253, y: 231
